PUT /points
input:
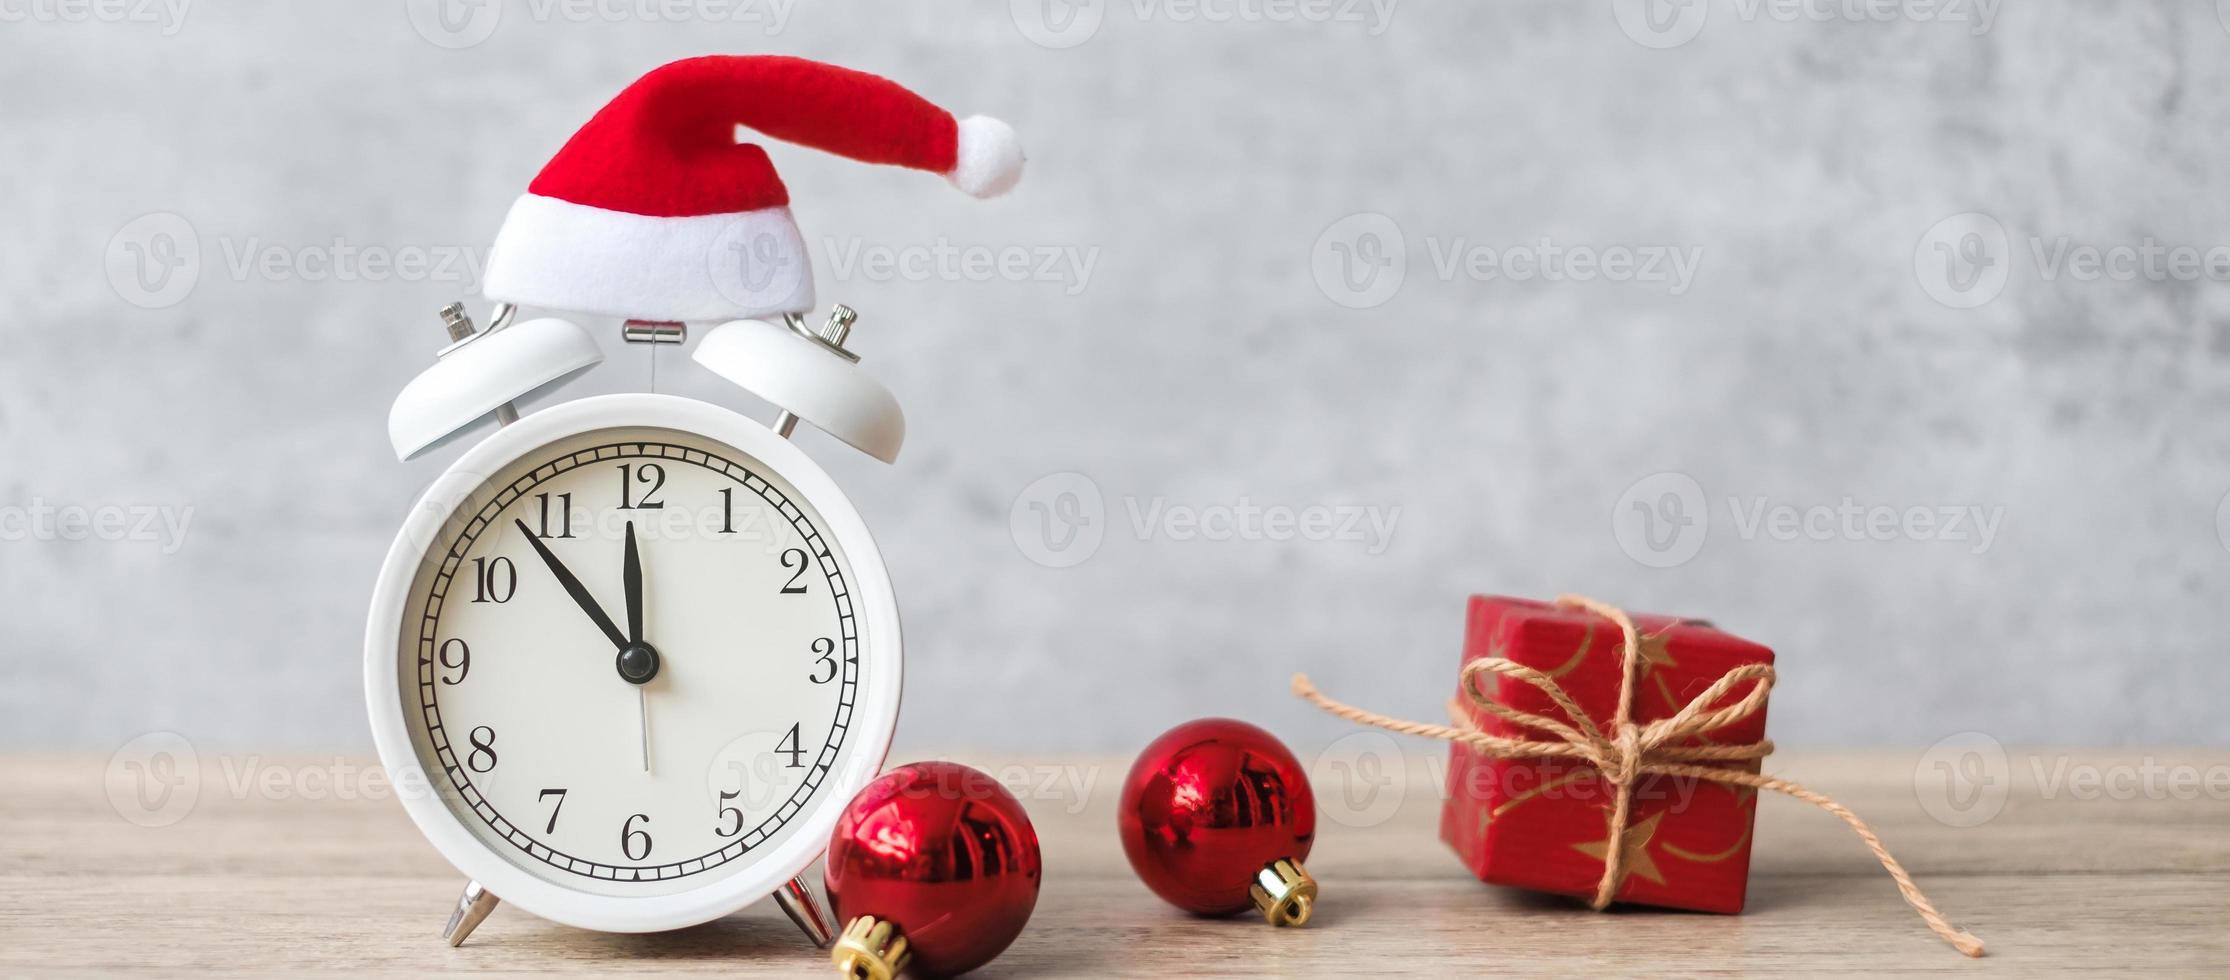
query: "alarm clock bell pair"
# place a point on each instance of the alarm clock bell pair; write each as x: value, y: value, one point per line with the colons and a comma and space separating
x: 641, y: 648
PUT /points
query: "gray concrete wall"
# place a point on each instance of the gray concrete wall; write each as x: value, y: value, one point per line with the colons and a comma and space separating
x: 1719, y: 316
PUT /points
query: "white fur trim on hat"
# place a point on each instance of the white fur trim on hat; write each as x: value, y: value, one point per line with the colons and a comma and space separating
x: 990, y: 159
x: 558, y: 255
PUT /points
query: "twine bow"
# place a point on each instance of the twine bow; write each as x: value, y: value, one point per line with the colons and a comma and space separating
x: 1628, y: 752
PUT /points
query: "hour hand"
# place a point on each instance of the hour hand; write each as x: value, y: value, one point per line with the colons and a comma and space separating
x: 574, y: 588
x: 631, y: 574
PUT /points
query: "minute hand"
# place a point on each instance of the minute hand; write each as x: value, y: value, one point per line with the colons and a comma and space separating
x: 574, y: 588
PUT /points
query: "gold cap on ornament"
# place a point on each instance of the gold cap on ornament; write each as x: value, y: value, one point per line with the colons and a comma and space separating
x: 1284, y: 892
x: 870, y: 949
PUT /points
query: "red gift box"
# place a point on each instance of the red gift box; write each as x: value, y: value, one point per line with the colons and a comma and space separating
x: 1543, y: 824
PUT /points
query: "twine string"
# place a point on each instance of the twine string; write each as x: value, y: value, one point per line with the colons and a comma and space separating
x: 1629, y: 751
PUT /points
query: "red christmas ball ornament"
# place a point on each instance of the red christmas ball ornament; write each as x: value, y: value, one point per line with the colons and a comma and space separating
x: 933, y: 866
x: 1217, y: 816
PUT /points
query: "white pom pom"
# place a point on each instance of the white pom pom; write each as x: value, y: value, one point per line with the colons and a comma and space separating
x: 990, y: 159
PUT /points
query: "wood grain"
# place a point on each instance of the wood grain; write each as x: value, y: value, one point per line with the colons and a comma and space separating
x: 289, y: 878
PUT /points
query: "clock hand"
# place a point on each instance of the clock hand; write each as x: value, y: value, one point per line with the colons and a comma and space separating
x: 632, y: 575
x: 574, y: 588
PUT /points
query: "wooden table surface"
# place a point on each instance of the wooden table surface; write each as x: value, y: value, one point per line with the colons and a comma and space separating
x: 283, y: 866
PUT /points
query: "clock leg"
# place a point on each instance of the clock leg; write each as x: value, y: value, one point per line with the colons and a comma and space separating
x: 796, y: 897
x: 472, y: 906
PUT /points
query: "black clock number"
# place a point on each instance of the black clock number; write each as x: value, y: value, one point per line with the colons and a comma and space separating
x: 494, y: 581
x: 727, y: 510
x: 551, y: 827
x: 564, y: 515
x: 651, y: 477
x: 731, y: 814
x: 827, y: 649
x: 457, y: 656
x: 789, y: 746
x: 629, y: 835
x: 483, y: 755
x: 796, y: 585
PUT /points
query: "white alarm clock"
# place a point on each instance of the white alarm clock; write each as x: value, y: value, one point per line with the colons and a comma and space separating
x: 641, y: 647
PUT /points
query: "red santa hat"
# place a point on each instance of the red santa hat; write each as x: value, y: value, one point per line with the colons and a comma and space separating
x: 655, y: 210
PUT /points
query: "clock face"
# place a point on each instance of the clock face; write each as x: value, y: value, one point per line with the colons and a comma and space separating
x: 629, y: 662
